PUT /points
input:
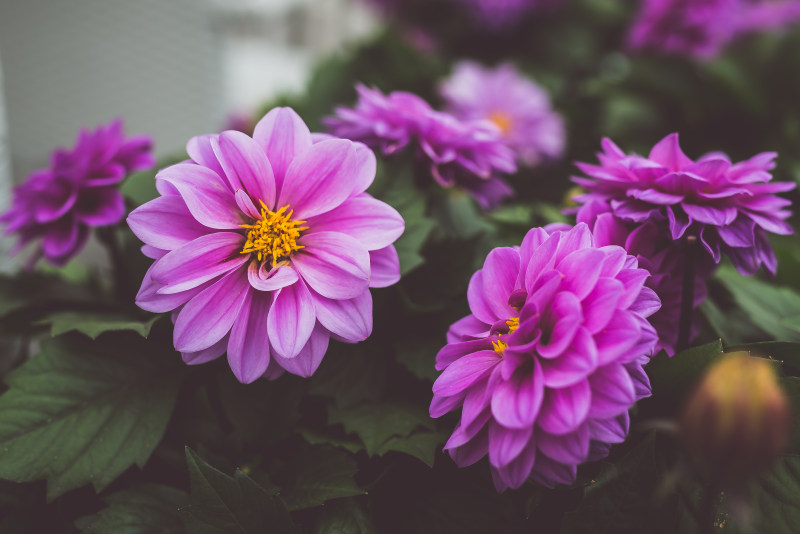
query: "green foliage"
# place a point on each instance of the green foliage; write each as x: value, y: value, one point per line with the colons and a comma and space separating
x: 83, y: 412
x: 142, y: 509
x: 344, y: 517
x: 321, y: 474
x: 225, y: 504
x: 94, y: 324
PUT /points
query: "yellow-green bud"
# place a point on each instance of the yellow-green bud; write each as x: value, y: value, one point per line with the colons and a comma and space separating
x: 737, y: 421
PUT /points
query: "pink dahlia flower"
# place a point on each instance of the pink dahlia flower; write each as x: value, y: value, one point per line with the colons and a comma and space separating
x: 549, y: 362
x: 267, y: 246
x: 78, y: 191
x: 516, y: 105
x: 729, y: 207
x: 469, y: 154
x: 702, y: 28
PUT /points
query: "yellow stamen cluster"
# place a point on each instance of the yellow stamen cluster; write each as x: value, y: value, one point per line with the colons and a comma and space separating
x: 274, y: 235
x: 502, y: 120
x: 500, y: 346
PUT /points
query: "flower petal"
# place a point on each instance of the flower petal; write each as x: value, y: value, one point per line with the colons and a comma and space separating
x: 284, y: 136
x: 248, y: 346
x: 373, y: 223
x: 208, y: 198
x: 464, y: 372
x: 272, y: 280
x: 308, y: 359
x: 208, y: 316
x: 384, y: 266
x: 565, y: 409
x: 291, y: 320
x: 350, y: 320
x: 516, y: 402
x: 333, y: 264
x: 165, y: 223
x: 246, y: 166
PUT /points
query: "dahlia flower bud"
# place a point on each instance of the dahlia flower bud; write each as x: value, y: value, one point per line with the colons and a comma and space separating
x: 737, y: 421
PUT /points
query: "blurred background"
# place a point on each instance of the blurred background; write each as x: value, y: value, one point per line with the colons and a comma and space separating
x: 171, y: 69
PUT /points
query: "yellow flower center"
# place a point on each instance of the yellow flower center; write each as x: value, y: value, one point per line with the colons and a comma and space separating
x: 500, y: 346
x: 274, y: 235
x: 502, y: 120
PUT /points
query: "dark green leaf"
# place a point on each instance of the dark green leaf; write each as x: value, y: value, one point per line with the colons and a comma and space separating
x: 94, y: 324
x: 350, y: 374
x: 416, y: 355
x: 771, y: 308
x: 673, y: 378
x: 344, y: 517
x: 84, y: 411
x: 421, y: 445
x: 221, y: 504
x: 774, y: 498
x: 785, y: 352
x: 323, y: 473
x: 143, y: 509
x: 318, y: 438
x: 374, y: 423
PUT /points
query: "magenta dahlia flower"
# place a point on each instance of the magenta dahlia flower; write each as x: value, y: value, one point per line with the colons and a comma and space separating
x: 549, y: 362
x: 267, y: 246
x: 467, y: 154
x: 730, y: 208
x: 702, y: 28
x: 78, y: 191
x: 515, y: 104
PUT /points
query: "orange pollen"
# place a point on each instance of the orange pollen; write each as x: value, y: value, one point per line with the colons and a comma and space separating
x: 502, y: 120
x: 499, y: 345
x: 274, y: 235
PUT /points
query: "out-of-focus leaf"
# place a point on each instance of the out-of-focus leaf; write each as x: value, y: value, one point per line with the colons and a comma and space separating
x: 94, y: 324
x: 376, y: 423
x: 142, y: 509
x: 420, y: 445
x: 314, y: 437
x: 85, y: 411
x: 344, y: 517
x: 774, y: 498
x: 350, y: 374
x: 415, y: 354
x: 784, y: 352
x: 322, y: 473
x: 771, y: 308
x: 221, y: 504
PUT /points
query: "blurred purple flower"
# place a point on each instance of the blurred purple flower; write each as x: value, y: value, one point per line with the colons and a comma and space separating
x: 515, y: 104
x: 469, y: 154
x: 267, y: 246
x: 79, y: 190
x: 549, y: 362
x: 702, y: 28
x: 729, y: 207
x: 498, y: 14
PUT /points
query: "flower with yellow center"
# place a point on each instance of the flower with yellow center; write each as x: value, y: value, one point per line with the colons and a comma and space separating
x: 274, y: 235
x: 502, y: 120
x: 499, y: 345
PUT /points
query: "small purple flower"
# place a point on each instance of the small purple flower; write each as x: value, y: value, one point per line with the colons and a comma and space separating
x: 79, y: 190
x: 729, y: 207
x: 469, y: 154
x: 549, y: 362
x: 516, y: 105
x: 499, y: 14
x: 702, y: 28
x: 267, y: 246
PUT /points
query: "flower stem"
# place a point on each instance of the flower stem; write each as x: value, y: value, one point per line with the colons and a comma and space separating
x: 122, y: 290
x: 687, y: 293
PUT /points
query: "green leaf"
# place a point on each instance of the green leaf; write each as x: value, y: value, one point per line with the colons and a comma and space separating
x: 421, y: 445
x: 323, y: 473
x: 94, y: 324
x: 771, y: 308
x: 85, y: 411
x: 774, y: 498
x: 415, y: 354
x: 221, y: 504
x: 318, y: 438
x: 142, y: 509
x: 344, y: 517
x: 350, y: 374
x: 375, y: 423
x: 673, y: 378
x: 784, y: 352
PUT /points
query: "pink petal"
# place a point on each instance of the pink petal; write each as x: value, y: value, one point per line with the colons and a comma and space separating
x: 516, y: 402
x: 198, y: 261
x: 384, y: 266
x: 464, y: 372
x: 248, y: 347
x: 149, y: 299
x: 208, y: 316
x: 165, y: 223
x: 208, y: 198
x: 565, y: 409
x: 505, y: 444
x: 272, y: 280
x: 500, y: 272
x: 333, y: 264
x: 319, y: 179
x: 100, y: 206
x: 350, y: 320
x: 308, y: 359
x: 581, y: 270
x: 668, y: 153
x: 572, y: 448
x: 575, y: 365
x: 613, y: 392
x: 246, y: 166
x: 200, y: 151
x: 291, y: 320
x: 284, y: 136
x: 206, y: 355
x: 373, y: 223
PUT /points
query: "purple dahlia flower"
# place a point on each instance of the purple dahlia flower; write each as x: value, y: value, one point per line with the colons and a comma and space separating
x: 469, y: 154
x: 267, y: 246
x: 549, y: 362
x: 79, y: 190
x: 729, y: 207
x: 516, y: 105
x: 702, y: 28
